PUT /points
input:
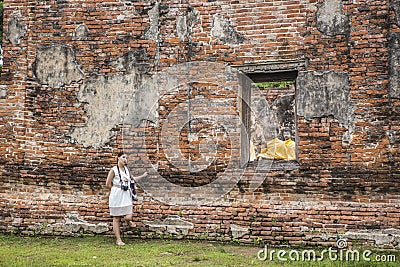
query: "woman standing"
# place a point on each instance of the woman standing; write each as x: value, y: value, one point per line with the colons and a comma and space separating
x: 120, y: 200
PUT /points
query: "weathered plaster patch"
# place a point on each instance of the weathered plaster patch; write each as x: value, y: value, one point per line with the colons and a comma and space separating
x: 153, y: 30
x: 237, y: 231
x: 182, y: 28
x: 284, y: 109
x: 385, y: 237
x: 16, y: 30
x: 72, y: 226
x: 81, y: 32
x: 331, y: 20
x: 269, y: 121
x: 129, y: 61
x: 173, y: 224
x: 114, y: 100
x: 324, y: 94
x: 56, y: 66
x: 185, y: 24
x: 258, y: 118
x: 394, y: 65
x: 395, y: 5
x: 224, y: 31
x: 107, y: 101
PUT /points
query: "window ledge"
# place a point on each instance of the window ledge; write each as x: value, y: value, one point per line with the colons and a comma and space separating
x: 274, y: 165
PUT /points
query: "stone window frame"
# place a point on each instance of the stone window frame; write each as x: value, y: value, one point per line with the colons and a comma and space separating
x: 280, y: 70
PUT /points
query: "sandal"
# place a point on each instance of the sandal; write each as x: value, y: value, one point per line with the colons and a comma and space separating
x: 132, y: 224
x: 120, y: 243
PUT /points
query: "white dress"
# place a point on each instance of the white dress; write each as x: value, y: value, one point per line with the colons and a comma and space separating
x: 120, y: 201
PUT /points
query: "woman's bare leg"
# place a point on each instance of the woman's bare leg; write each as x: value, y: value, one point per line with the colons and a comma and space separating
x: 128, y: 218
x: 117, y: 232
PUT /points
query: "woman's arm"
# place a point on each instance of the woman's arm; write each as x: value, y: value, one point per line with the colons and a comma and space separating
x: 110, y: 178
x: 138, y: 178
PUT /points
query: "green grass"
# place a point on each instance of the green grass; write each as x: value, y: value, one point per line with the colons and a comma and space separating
x: 282, y: 84
x: 101, y: 251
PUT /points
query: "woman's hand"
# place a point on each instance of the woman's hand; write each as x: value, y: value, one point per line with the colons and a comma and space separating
x: 138, y: 178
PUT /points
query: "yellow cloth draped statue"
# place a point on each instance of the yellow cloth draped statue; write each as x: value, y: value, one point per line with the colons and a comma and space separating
x: 278, y: 149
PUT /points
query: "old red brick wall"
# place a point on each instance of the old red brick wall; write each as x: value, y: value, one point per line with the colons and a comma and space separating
x: 346, y: 178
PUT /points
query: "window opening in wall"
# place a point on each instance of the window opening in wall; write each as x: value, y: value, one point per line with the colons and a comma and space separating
x: 277, y: 90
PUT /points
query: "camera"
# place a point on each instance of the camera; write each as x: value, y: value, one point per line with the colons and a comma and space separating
x: 133, y: 191
x: 124, y: 187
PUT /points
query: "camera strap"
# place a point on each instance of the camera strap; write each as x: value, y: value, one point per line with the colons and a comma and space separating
x: 132, y: 190
x: 119, y: 174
